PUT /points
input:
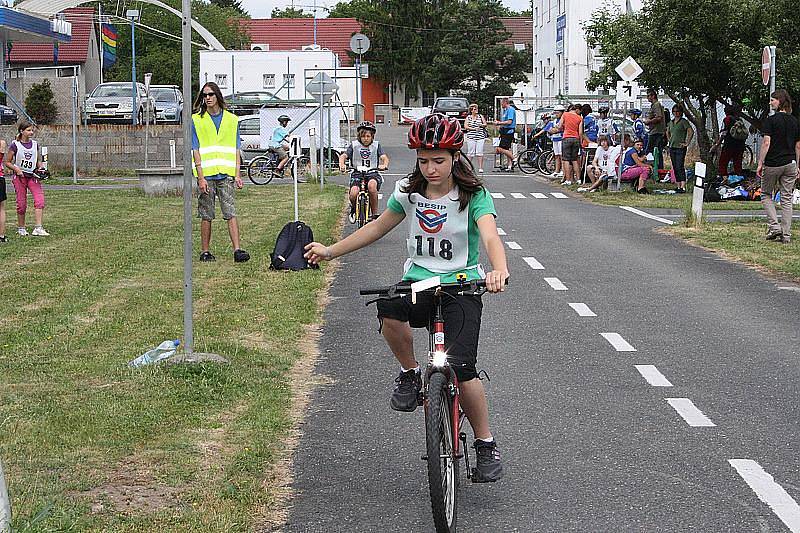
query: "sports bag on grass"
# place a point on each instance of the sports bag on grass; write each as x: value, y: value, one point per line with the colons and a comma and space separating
x: 290, y: 247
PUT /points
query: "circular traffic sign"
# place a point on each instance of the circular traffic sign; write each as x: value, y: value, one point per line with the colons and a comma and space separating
x: 523, y: 99
x: 359, y: 43
x: 766, y: 63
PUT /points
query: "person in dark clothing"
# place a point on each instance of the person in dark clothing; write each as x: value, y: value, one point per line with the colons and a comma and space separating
x: 777, y: 164
x: 732, y: 147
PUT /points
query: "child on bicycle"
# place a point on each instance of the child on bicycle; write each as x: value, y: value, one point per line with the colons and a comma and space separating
x: 23, y: 160
x: 366, y: 152
x: 446, y: 207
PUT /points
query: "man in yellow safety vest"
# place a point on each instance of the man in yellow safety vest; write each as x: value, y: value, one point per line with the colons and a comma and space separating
x: 215, y: 149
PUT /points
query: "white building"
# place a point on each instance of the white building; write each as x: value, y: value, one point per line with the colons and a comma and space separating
x: 562, y: 60
x: 284, y: 73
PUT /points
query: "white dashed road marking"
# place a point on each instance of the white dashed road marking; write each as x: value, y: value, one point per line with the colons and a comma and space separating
x: 690, y: 413
x: 498, y: 195
x: 556, y: 284
x: 653, y: 376
x: 518, y: 195
x: 582, y: 309
x: 646, y: 215
x: 769, y: 492
x: 513, y: 245
x: 533, y: 263
x: 558, y: 195
x: 539, y: 195
x: 500, y: 231
x: 619, y: 344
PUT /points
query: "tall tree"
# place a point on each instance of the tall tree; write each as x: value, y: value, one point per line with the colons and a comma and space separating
x: 290, y: 13
x: 231, y: 4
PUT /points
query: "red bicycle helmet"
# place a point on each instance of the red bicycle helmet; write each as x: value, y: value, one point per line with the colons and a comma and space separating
x: 436, y: 132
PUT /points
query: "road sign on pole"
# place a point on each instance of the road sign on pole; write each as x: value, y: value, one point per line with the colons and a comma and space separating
x: 627, y: 91
x: 359, y: 43
x: 322, y: 87
x: 766, y: 65
x: 629, y: 69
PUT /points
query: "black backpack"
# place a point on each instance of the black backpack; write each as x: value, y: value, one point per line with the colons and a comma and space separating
x: 290, y: 247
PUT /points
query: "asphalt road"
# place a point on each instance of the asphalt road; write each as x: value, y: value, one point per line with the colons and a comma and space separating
x: 590, y: 440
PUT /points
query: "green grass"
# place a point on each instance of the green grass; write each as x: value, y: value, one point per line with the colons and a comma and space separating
x: 744, y: 241
x: 80, y: 431
x: 667, y: 201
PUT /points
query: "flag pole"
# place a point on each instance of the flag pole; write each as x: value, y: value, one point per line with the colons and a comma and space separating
x: 100, y: 34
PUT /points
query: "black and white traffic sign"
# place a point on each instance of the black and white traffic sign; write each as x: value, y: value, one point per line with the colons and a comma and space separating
x: 627, y: 91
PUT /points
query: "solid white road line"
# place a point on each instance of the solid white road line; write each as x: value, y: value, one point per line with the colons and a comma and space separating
x: 518, y: 195
x: 693, y: 416
x: 513, y: 245
x: 653, y: 376
x: 619, y: 344
x: 498, y: 195
x: 539, y: 195
x: 558, y: 195
x: 582, y: 309
x: 500, y: 231
x: 556, y: 284
x: 769, y: 492
x: 646, y: 215
x: 533, y: 263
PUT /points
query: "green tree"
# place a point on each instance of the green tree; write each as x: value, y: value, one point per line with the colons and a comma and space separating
x: 290, y: 13
x: 40, y: 103
x: 231, y: 4
x: 356, y: 9
x: 161, y: 54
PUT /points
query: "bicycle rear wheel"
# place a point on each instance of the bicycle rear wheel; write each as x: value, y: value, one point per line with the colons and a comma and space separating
x: 260, y: 169
x: 442, y: 463
x: 303, y: 167
x: 528, y: 161
x: 747, y: 157
x: 547, y: 162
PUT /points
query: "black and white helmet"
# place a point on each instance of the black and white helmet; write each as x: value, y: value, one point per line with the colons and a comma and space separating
x: 284, y: 118
x: 366, y: 125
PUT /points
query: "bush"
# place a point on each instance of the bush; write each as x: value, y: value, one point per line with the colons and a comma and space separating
x: 40, y: 103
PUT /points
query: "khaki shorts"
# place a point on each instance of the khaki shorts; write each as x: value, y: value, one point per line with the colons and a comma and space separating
x: 223, y: 189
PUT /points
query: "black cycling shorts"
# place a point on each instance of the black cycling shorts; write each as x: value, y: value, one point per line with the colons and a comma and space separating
x: 355, y: 178
x: 506, y: 140
x: 462, y: 325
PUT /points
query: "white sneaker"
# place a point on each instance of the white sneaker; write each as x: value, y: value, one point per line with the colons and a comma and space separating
x: 583, y: 189
x: 22, y: 232
x: 39, y: 232
x: 480, y: 171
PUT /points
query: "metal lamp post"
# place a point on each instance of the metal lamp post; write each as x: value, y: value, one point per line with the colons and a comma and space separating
x: 133, y: 16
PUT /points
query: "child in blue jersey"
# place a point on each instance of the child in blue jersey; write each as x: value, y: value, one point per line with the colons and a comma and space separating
x: 448, y: 214
x: 639, y: 129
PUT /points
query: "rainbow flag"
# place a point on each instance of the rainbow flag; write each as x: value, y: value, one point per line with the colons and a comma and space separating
x: 109, y: 38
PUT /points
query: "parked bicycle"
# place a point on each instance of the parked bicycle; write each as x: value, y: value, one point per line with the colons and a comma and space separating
x: 445, y: 438
x: 263, y: 168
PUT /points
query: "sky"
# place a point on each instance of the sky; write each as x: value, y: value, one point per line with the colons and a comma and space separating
x: 263, y: 8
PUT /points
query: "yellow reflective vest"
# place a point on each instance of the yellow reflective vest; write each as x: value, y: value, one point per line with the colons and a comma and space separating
x: 217, y: 148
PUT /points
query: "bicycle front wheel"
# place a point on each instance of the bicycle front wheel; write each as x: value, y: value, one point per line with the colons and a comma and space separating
x: 528, y: 161
x: 260, y: 170
x: 442, y: 462
x: 747, y: 157
x: 547, y: 162
x: 362, y: 209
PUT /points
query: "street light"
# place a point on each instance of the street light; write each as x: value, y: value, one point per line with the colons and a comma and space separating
x: 133, y: 16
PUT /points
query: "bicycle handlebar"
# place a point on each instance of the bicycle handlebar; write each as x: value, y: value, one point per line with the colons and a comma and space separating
x: 475, y: 286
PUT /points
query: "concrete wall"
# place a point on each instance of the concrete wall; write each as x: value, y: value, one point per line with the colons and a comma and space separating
x: 104, y: 149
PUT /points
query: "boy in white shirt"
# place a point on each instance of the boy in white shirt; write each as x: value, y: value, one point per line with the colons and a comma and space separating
x: 603, y: 165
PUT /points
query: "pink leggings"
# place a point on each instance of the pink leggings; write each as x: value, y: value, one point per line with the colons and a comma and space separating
x: 21, y: 185
x: 635, y: 173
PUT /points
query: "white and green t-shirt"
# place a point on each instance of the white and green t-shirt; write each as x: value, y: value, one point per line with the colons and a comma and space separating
x: 442, y: 241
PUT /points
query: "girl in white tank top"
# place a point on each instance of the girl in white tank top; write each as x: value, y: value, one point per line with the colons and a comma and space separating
x: 21, y: 161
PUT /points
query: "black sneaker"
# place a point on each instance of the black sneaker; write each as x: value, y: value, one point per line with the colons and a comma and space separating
x: 3, y: 238
x: 680, y: 191
x: 774, y: 235
x: 643, y: 190
x: 489, y: 468
x: 240, y: 256
x: 205, y: 257
x: 352, y: 216
x: 406, y: 393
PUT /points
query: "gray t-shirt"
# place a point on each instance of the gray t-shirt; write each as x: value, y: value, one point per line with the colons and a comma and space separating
x: 368, y: 156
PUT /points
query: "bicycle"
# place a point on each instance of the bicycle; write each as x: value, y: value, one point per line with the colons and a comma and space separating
x: 528, y: 160
x: 446, y: 442
x: 363, y: 211
x: 263, y: 168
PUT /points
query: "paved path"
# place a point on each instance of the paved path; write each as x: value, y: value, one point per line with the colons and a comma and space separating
x: 637, y: 384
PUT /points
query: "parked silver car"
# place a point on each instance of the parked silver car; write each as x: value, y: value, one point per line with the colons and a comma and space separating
x: 169, y: 103
x: 113, y: 102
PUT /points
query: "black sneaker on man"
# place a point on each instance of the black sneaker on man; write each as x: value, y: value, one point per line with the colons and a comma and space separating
x: 406, y: 393
x: 489, y: 468
x: 774, y: 235
x: 240, y: 256
x: 206, y: 257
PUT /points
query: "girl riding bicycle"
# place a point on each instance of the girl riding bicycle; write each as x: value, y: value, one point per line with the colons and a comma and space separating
x: 448, y: 213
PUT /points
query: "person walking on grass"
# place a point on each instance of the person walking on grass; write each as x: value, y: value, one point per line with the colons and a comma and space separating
x: 679, y: 136
x: 217, y: 161
x: 778, y: 164
x: 23, y: 160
